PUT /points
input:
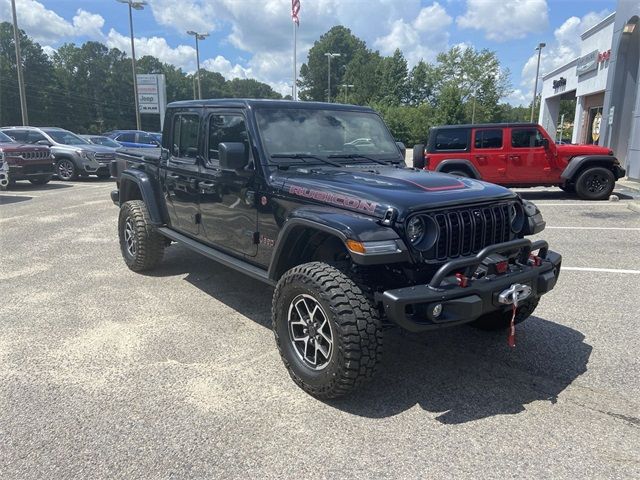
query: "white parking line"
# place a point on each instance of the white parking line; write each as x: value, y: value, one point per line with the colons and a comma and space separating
x: 583, y: 204
x: 595, y: 228
x: 600, y: 270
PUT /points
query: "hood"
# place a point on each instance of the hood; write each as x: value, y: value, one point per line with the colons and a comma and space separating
x: 85, y: 148
x: 21, y: 147
x: 373, y: 190
x: 574, y: 150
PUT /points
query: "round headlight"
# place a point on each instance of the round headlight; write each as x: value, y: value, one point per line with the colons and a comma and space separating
x: 415, y: 230
x: 516, y: 215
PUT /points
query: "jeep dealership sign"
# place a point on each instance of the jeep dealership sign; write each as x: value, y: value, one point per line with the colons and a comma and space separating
x: 587, y: 63
x: 152, y: 94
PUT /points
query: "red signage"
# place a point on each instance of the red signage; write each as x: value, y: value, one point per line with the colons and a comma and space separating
x: 604, y: 56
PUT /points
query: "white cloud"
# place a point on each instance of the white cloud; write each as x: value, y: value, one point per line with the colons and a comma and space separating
x: 422, y: 39
x: 564, y: 48
x: 183, y: 56
x: 505, y: 20
x: 46, y: 26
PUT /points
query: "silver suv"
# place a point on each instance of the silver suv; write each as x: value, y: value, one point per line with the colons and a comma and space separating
x: 74, y: 156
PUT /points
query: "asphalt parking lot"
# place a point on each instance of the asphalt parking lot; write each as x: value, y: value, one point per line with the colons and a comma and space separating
x: 109, y: 373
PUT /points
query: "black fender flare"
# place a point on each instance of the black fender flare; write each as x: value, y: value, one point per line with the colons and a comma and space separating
x: 339, y: 224
x: 457, y: 164
x: 577, y: 164
x: 129, y: 181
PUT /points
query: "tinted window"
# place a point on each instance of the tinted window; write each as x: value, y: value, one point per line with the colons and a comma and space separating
x: 526, y: 138
x: 185, y: 136
x: 65, y: 137
x: 126, y: 137
x: 35, y: 137
x: 452, y: 139
x: 17, y: 135
x: 106, y: 141
x: 225, y: 128
x: 146, y: 139
x: 488, y: 138
x: 5, y: 138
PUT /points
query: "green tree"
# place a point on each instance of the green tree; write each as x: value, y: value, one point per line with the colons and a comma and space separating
x: 393, y: 75
x: 313, y: 74
x: 422, y: 84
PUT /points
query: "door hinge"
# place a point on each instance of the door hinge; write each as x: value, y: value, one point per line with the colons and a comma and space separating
x: 197, y: 218
x: 256, y: 238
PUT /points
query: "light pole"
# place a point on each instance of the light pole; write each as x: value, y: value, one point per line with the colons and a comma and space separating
x: 135, y: 5
x: 16, y: 41
x: 346, y: 91
x: 198, y: 37
x: 329, y: 57
x: 539, y: 48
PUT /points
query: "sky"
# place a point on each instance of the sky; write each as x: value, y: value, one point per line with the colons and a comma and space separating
x: 253, y: 38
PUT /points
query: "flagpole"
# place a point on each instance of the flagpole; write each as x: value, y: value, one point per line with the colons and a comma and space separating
x: 295, y: 70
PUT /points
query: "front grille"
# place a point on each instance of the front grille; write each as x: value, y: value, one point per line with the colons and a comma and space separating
x: 33, y: 155
x: 105, y: 157
x: 466, y: 231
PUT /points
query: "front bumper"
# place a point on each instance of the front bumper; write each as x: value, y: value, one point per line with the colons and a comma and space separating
x: 412, y: 307
x: 25, y: 172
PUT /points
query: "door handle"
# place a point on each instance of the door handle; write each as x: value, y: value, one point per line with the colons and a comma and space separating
x: 206, y: 185
x: 481, y: 158
x: 173, y: 177
x: 193, y: 183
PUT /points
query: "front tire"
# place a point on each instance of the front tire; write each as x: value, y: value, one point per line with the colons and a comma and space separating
x: 40, y: 180
x: 141, y: 245
x: 328, y: 334
x: 502, y: 320
x: 595, y: 183
x: 66, y: 170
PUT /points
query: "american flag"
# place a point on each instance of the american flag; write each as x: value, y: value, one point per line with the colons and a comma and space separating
x: 295, y: 11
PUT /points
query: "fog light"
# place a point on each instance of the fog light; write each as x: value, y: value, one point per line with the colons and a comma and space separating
x: 437, y: 310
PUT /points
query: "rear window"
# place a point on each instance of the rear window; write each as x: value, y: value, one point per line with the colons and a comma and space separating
x: 452, y: 139
x: 185, y: 135
x: 526, y: 138
x: 17, y: 135
x: 488, y: 138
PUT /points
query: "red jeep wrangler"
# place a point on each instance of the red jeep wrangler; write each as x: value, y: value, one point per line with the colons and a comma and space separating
x: 519, y: 155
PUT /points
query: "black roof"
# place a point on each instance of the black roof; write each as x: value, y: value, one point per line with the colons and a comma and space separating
x: 488, y: 125
x: 264, y: 103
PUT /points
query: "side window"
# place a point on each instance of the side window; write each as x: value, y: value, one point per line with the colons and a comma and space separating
x: 225, y: 128
x: 488, y: 138
x: 185, y: 136
x: 452, y: 139
x: 127, y: 137
x: 18, y: 135
x: 526, y: 138
x: 35, y: 137
x: 146, y: 139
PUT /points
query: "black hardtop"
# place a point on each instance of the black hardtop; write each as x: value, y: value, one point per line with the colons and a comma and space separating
x: 265, y: 103
x: 486, y: 125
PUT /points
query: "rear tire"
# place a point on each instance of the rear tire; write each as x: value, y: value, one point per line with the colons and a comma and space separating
x: 320, y: 302
x: 595, y: 183
x: 40, y: 180
x: 141, y: 245
x: 502, y: 320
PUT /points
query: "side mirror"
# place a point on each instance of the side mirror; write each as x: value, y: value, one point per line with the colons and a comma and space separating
x: 44, y: 143
x: 418, y: 156
x: 233, y: 155
x: 402, y: 148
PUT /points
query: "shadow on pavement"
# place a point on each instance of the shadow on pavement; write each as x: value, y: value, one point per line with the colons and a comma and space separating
x: 29, y: 188
x: 7, y: 199
x: 558, y: 194
x: 460, y: 373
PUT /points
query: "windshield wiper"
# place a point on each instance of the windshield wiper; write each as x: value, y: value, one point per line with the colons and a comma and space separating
x: 302, y: 156
x: 358, y: 155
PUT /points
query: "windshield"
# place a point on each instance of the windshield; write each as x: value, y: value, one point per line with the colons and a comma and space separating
x: 5, y: 138
x: 326, y: 134
x: 106, y: 141
x: 66, y: 138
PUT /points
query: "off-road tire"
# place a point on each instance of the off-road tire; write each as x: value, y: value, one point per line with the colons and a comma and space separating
x: 66, y: 170
x: 149, y: 244
x: 502, y: 320
x: 355, y: 325
x: 588, y: 190
x: 40, y: 180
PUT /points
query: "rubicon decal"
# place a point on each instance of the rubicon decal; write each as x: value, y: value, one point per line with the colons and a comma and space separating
x: 334, y: 198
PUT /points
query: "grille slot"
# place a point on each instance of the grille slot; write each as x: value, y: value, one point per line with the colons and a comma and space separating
x: 467, y: 231
x: 33, y: 155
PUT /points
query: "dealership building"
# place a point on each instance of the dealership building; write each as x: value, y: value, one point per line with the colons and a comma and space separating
x: 604, y: 82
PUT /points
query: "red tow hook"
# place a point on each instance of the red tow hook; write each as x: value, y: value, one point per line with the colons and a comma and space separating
x: 535, y: 260
x: 463, y: 281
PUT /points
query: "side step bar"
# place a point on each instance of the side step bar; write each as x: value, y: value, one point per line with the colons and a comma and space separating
x: 221, y: 257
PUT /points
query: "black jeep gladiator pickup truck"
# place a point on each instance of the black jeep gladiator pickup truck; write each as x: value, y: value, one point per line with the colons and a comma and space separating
x: 315, y: 199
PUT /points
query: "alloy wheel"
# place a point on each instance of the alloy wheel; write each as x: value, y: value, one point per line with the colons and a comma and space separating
x: 310, y: 331
x: 130, y: 237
